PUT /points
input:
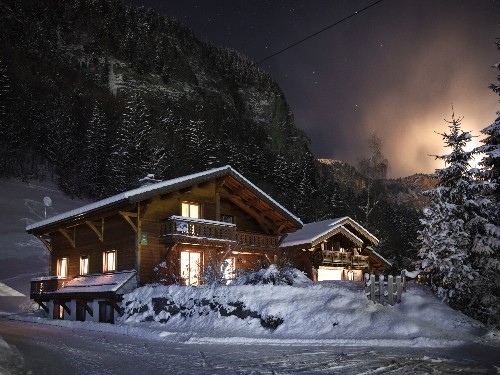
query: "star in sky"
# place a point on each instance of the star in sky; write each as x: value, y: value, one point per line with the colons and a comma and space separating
x: 394, y: 69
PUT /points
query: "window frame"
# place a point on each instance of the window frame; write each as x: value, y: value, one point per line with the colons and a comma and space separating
x: 105, y: 261
x: 60, y: 267
x: 84, y: 264
x: 189, y: 204
x: 190, y: 271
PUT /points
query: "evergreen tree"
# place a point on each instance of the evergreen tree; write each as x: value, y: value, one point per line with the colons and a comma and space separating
x: 96, y: 153
x: 490, y: 164
x: 485, y: 301
x: 130, y: 154
x: 6, y: 130
x: 445, y: 241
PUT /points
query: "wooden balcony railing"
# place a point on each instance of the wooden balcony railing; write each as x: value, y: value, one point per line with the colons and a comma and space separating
x: 41, y: 286
x: 256, y: 240
x: 179, y: 228
x: 344, y: 258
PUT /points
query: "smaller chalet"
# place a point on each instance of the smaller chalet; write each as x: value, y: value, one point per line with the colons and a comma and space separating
x: 335, y: 249
x: 175, y: 231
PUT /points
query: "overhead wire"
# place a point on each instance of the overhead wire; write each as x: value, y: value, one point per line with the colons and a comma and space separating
x: 319, y: 32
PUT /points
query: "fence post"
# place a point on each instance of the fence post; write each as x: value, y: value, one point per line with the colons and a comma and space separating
x: 399, y: 287
x: 403, y: 278
x: 372, y: 288
x: 381, y: 288
x: 390, y: 290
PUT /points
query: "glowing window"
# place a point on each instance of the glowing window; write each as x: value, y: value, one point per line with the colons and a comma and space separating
x: 109, y: 261
x: 228, y: 267
x: 191, y: 210
x: 190, y: 267
x: 84, y: 264
x: 62, y: 267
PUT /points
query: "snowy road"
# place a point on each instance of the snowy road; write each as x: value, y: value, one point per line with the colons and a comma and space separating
x: 28, y: 348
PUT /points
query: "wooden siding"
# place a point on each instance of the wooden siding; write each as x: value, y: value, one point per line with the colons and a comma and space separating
x: 118, y: 235
x: 143, y: 250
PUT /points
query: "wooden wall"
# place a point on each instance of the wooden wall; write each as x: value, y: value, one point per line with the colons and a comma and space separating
x: 118, y: 235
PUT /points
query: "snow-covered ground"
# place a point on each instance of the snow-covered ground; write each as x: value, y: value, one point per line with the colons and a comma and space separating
x: 326, y: 314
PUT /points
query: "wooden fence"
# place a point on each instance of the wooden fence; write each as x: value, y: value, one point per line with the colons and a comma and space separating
x: 385, y: 291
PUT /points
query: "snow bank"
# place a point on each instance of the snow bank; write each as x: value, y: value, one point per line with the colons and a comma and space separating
x: 331, y: 312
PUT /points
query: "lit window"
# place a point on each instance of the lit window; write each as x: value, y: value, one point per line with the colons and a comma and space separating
x: 84, y: 264
x: 62, y: 267
x: 228, y: 267
x: 190, y: 267
x: 191, y: 210
x: 109, y: 261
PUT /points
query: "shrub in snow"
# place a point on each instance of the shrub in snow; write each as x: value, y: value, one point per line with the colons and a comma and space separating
x: 163, y: 274
x: 274, y: 275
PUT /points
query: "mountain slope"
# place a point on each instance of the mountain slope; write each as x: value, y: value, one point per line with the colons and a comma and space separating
x: 116, y: 92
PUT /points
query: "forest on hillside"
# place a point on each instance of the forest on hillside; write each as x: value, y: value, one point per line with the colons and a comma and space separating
x: 96, y: 95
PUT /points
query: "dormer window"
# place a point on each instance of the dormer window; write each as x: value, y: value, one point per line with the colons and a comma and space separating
x: 191, y: 209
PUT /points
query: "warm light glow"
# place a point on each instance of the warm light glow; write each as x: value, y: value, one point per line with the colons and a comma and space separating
x: 228, y: 268
x: 190, y: 267
x: 191, y: 210
x: 109, y: 261
x: 84, y: 265
x: 62, y: 267
x: 325, y: 274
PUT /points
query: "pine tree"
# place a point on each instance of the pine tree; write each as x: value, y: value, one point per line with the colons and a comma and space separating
x: 445, y: 241
x: 129, y: 160
x: 485, y: 301
x: 96, y: 151
x: 490, y: 164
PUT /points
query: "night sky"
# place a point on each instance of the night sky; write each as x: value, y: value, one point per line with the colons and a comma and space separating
x: 395, y: 69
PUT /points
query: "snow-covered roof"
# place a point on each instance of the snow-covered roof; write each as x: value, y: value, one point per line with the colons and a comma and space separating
x: 370, y: 250
x: 145, y: 192
x: 319, y: 230
x: 97, y: 283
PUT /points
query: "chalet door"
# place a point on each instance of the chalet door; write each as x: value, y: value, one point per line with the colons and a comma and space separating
x: 191, y: 263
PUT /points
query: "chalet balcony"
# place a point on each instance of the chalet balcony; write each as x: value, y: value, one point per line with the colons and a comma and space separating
x: 342, y: 258
x: 42, y: 286
x: 179, y: 229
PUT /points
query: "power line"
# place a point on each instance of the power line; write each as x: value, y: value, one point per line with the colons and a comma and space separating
x: 319, y: 32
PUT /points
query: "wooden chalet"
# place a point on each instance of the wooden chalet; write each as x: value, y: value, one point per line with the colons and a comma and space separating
x: 334, y: 249
x: 170, y: 231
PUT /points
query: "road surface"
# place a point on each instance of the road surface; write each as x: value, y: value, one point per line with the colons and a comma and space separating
x: 31, y: 348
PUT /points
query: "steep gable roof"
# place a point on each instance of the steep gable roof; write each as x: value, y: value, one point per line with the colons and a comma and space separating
x: 146, y: 192
x: 313, y: 233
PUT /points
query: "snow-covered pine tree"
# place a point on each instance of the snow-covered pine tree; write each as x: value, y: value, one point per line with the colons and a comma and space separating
x: 490, y: 163
x: 445, y: 241
x: 485, y: 301
x: 130, y: 154
x: 96, y: 152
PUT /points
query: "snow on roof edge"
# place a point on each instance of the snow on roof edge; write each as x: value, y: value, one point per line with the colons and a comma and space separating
x: 126, y: 195
x: 141, y: 192
x: 267, y: 196
x: 369, y: 248
x: 331, y: 227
